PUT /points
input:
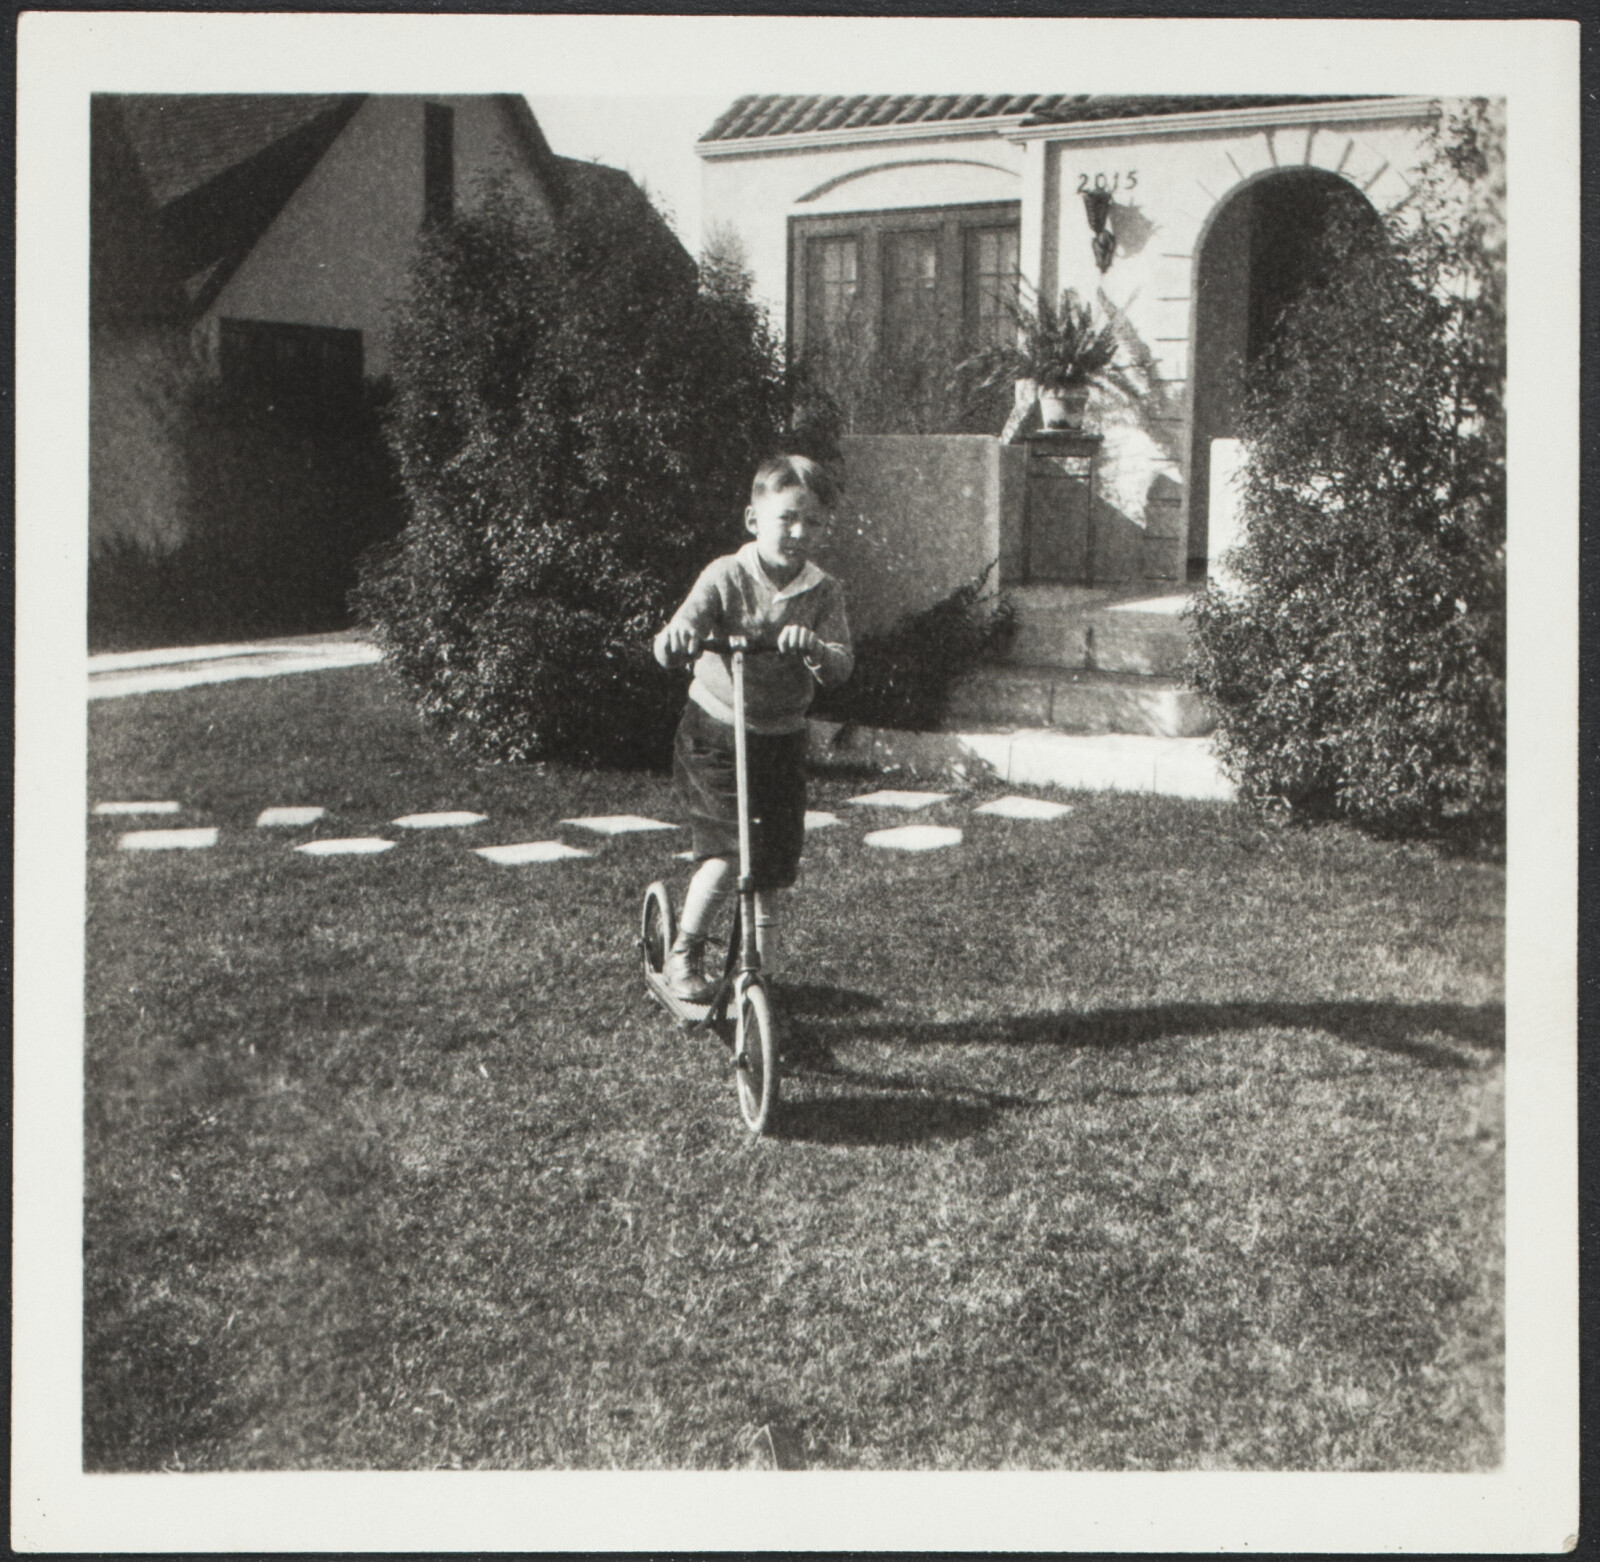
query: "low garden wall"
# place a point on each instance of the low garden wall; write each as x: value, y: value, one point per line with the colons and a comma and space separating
x: 920, y: 515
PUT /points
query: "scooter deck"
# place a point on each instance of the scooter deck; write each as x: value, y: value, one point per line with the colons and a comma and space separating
x: 691, y: 1014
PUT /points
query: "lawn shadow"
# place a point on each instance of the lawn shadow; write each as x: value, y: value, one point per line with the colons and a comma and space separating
x: 150, y: 1387
x: 1436, y: 1035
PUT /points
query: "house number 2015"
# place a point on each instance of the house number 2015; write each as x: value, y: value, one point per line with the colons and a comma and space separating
x: 1108, y: 182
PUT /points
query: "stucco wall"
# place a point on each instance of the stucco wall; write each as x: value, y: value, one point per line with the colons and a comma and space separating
x: 1183, y: 183
x: 339, y: 252
x: 918, y: 516
x: 136, y: 479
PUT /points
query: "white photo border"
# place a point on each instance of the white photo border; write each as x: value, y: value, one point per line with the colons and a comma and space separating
x: 1528, y: 1505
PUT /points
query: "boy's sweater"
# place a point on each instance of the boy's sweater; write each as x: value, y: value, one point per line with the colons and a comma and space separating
x: 736, y: 596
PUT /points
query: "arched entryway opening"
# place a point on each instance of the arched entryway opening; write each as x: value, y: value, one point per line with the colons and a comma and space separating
x: 1268, y: 242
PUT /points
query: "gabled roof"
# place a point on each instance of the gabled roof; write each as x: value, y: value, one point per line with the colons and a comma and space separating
x: 762, y: 116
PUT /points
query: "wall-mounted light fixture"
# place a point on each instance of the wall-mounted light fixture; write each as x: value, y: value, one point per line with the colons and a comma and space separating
x: 1097, y: 207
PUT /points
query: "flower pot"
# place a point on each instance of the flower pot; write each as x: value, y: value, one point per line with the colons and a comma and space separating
x: 1063, y: 408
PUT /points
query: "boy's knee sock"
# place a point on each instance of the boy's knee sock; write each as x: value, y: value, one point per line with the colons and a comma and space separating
x: 708, y: 889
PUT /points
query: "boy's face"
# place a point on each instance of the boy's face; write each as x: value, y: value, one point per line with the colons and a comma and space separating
x: 784, y: 523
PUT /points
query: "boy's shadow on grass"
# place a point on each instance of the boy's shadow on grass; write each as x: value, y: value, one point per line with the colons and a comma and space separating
x: 880, y: 1108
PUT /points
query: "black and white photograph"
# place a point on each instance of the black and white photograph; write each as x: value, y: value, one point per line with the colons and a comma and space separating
x: 740, y: 758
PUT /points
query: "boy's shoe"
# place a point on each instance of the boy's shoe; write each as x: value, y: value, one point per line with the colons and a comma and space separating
x: 685, y: 971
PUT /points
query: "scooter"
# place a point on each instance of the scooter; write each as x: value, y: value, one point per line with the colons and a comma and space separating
x: 741, y: 994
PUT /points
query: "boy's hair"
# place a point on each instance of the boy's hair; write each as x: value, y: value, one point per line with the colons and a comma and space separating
x: 795, y: 472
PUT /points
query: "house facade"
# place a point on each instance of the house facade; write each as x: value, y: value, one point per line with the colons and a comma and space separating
x: 265, y: 240
x: 1190, y: 221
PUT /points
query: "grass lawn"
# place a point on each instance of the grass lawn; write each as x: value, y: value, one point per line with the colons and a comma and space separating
x: 1145, y: 1139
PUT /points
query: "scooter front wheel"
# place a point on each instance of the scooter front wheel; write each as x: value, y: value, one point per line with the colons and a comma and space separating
x: 656, y: 931
x: 755, y: 1059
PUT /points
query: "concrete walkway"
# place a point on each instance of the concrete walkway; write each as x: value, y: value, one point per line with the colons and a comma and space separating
x: 1174, y: 767
x: 115, y: 673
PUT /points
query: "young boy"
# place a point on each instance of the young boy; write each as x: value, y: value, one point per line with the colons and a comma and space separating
x: 770, y: 592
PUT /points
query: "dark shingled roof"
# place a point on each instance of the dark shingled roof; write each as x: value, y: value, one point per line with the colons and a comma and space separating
x: 184, y: 186
x: 183, y: 142
x: 754, y: 116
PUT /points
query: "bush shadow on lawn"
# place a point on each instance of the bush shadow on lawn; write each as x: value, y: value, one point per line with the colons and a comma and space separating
x: 1436, y: 1035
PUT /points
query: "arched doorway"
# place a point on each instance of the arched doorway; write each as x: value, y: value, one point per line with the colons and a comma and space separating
x: 1264, y: 247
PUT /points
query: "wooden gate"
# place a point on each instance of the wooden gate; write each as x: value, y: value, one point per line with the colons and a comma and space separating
x: 1060, y: 507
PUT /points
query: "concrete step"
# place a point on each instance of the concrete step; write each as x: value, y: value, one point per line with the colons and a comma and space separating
x: 1123, y: 639
x: 1105, y: 629
x: 1049, y: 641
x: 1078, y: 700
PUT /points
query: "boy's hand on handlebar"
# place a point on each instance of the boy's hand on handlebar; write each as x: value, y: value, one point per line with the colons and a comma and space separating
x: 676, y: 645
x: 797, y: 638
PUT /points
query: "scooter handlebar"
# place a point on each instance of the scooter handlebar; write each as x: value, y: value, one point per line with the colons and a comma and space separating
x: 726, y: 645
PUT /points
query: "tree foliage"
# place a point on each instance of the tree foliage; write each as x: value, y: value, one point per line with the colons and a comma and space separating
x: 578, y: 412
x: 1358, y: 667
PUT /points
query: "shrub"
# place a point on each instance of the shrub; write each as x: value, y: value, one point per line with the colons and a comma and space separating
x: 1359, y: 667
x: 578, y: 413
x: 911, y: 389
x: 904, y: 674
x: 278, y: 503
x: 918, y: 385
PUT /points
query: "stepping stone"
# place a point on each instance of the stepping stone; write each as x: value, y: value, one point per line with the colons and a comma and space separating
x: 287, y: 818
x: 618, y: 824
x: 351, y: 846
x: 168, y: 840
x: 914, y: 838
x: 907, y: 800
x: 446, y: 821
x: 136, y: 808
x: 819, y: 821
x: 1024, y: 808
x: 529, y: 851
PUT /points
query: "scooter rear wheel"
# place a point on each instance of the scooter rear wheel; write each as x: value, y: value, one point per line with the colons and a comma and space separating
x: 656, y: 931
x: 755, y: 1059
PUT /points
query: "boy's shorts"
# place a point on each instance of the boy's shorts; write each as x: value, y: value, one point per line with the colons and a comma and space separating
x: 703, y: 769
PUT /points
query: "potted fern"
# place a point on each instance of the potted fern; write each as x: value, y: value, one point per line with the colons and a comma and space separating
x: 1058, y: 354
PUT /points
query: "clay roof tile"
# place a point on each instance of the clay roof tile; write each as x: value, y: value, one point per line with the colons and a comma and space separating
x: 776, y: 115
